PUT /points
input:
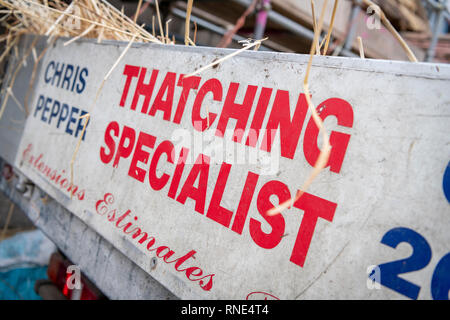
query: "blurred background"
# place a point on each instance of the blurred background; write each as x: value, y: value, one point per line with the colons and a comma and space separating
x: 24, y: 253
x: 288, y: 24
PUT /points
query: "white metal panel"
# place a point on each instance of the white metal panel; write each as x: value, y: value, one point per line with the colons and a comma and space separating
x: 391, y: 176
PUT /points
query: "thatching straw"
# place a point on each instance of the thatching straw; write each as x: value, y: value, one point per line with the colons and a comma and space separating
x: 314, y: 23
x: 330, y: 28
x: 167, y: 39
x: 33, y: 74
x: 153, y: 25
x: 161, y: 30
x: 138, y: 9
x: 195, y: 32
x: 216, y: 62
x: 187, y: 40
x: 18, y: 104
x: 361, y: 48
x: 322, y: 160
x: 226, y: 39
x: 8, y: 219
x: 84, y: 33
x: 392, y: 30
x: 95, y: 19
x: 13, y: 78
x: 57, y: 21
x: 88, y: 115
x: 142, y: 9
x: 56, y: 18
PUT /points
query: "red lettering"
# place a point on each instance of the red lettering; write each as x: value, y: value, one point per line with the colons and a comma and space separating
x: 167, y: 148
x: 290, y: 130
x: 121, y: 218
x: 343, y: 111
x: 193, y: 271
x: 144, y: 89
x: 215, y: 211
x: 163, y: 252
x: 128, y: 225
x: 128, y: 134
x: 200, y: 169
x: 258, y: 118
x: 130, y: 72
x: 214, y: 86
x: 272, y: 239
x: 178, y: 172
x: 165, y: 106
x: 208, y: 285
x: 113, y: 127
x: 150, y: 244
x: 188, y: 84
x: 244, y: 202
x: 237, y: 111
x: 183, y: 259
x: 101, y: 205
x: 141, y: 156
x: 165, y: 256
x: 314, y: 208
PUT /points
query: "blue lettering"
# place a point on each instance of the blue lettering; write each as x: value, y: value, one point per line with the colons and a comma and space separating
x: 46, y: 78
x: 58, y: 73
x: 63, y: 115
x: 46, y: 108
x: 54, y: 113
x: 82, y: 80
x: 39, y: 105
x: 72, y: 119
x: 67, y: 77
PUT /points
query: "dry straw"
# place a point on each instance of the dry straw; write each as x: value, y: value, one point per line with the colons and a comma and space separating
x: 330, y: 28
x: 56, y: 18
x: 8, y: 219
x: 322, y: 160
x: 324, y: 155
x: 80, y: 19
x: 88, y: 115
x: 187, y: 39
x: 97, y: 19
x: 392, y: 30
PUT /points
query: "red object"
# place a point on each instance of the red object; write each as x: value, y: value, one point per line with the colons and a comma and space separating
x: 7, y: 172
x: 57, y: 273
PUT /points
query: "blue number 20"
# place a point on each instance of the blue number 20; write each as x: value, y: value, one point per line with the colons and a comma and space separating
x: 440, y: 283
x: 419, y: 259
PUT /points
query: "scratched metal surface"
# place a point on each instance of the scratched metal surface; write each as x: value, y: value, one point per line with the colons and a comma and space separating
x: 115, y: 274
x: 12, y: 122
x: 387, y: 180
x: 112, y: 272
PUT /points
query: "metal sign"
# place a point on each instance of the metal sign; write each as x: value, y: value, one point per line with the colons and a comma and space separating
x: 179, y: 172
